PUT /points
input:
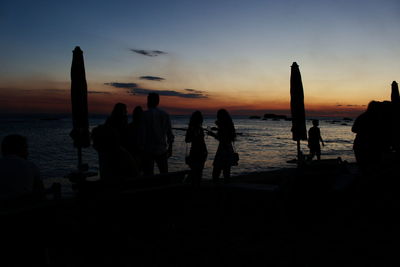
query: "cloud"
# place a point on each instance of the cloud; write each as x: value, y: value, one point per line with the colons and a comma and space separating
x: 122, y: 85
x: 99, y: 92
x: 149, y: 53
x: 194, y: 91
x: 134, y: 89
x: 152, y: 78
x: 349, y: 105
x: 142, y: 91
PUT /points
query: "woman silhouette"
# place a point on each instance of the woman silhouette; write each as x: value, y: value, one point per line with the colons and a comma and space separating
x: 198, y: 150
x: 118, y: 120
x: 226, y: 135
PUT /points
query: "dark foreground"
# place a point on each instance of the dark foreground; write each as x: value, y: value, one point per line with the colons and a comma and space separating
x: 322, y: 215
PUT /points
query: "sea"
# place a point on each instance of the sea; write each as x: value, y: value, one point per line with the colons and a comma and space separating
x: 263, y: 145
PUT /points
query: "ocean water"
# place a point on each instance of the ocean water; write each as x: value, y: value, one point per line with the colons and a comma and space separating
x: 262, y: 144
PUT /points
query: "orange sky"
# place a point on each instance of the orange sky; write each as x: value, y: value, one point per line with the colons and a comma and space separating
x: 101, y: 102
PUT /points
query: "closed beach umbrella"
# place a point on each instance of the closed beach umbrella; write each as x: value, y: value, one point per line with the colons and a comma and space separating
x: 80, y: 131
x: 395, y: 97
x: 395, y: 93
x: 299, y: 131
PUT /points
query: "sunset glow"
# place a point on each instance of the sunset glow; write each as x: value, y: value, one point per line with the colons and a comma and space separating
x: 201, y: 55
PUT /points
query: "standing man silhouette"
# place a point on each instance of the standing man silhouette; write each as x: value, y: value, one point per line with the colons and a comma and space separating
x: 314, y: 139
x: 158, y: 137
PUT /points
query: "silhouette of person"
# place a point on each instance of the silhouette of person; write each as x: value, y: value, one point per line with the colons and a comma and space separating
x: 116, y: 164
x: 118, y: 120
x: 373, y: 134
x: 19, y: 177
x: 198, y: 150
x: 226, y: 135
x: 136, y: 136
x: 314, y: 138
x: 158, y: 138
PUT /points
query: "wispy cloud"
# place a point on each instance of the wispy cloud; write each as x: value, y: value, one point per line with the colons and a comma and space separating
x: 152, y: 78
x: 149, y: 53
x: 350, y: 105
x: 122, y: 85
x: 99, y: 92
x: 134, y: 89
x: 142, y: 91
x: 194, y: 91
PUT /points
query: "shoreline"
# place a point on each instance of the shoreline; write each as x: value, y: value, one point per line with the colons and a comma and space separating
x: 276, y: 176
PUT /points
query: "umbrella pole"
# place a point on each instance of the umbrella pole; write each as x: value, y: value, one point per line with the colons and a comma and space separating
x: 299, y: 156
x: 79, y: 157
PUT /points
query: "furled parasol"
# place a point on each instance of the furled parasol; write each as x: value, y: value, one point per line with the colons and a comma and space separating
x: 395, y: 93
x: 80, y: 131
x: 299, y: 131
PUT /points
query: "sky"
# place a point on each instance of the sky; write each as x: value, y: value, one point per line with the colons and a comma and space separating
x: 200, y: 55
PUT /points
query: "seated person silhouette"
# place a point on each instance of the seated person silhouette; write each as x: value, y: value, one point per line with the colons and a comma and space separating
x: 19, y: 178
x: 314, y: 137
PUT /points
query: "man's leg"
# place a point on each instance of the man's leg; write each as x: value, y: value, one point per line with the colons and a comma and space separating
x: 162, y: 163
x: 318, y: 155
x: 227, y: 174
x: 311, y: 155
x: 216, y: 173
x: 148, y: 165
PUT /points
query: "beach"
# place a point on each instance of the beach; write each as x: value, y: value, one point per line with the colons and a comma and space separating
x: 285, y: 217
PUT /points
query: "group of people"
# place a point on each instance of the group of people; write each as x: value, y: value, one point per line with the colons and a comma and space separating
x: 128, y: 150
x: 377, y: 134
x: 224, y: 157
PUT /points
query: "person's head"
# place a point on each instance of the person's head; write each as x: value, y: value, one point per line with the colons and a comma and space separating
x: 137, y: 114
x: 223, y: 117
x: 153, y: 99
x: 225, y: 123
x: 15, y: 144
x: 119, y: 116
x: 119, y: 110
x: 315, y: 123
x: 373, y: 106
x: 196, y: 119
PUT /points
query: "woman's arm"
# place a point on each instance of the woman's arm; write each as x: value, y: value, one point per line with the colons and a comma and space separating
x: 212, y: 134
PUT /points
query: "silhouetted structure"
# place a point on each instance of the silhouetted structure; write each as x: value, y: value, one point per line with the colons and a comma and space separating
x: 395, y: 97
x: 314, y: 138
x: 80, y: 131
x: 299, y: 131
x: 118, y: 120
x: 198, y: 150
x: 274, y: 116
x: 136, y: 136
x: 159, y: 137
x: 226, y: 135
x: 18, y: 176
x: 116, y: 164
